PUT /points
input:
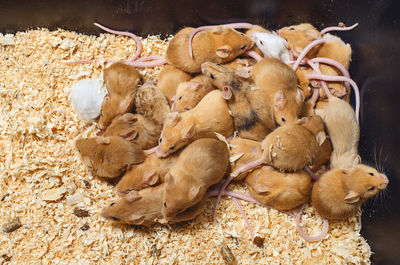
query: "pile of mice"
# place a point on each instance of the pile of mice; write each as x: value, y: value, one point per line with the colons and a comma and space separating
x: 217, y: 92
x: 55, y: 203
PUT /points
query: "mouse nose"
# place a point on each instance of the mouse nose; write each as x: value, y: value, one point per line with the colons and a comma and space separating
x: 203, y: 67
x: 384, y: 179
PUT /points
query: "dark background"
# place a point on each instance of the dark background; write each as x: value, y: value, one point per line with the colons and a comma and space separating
x: 376, y: 56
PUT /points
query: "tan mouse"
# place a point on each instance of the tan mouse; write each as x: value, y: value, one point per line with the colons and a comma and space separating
x: 109, y: 156
x: 189, y: 94
x: 219, y: 45
x: 250, y: 106
x: 121, y: 81
x: 283, y: 191
x: 340, y: 192
x: 151, y: 102
x: 149, y: 173
x: 182, y: 128
x: 135, y: 128
x: 299, y: 36
x: 200, y: 165
x: 169, y: 79
x: 280, y: 82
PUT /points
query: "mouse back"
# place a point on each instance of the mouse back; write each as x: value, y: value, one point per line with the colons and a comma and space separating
x: 169, y: 79
x: 242, y: 152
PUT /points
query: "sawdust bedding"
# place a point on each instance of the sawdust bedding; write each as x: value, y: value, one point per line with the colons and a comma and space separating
x: 44, y: 183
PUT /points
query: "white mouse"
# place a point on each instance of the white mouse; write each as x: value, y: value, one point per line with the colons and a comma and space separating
x: 86, y: 97
x: 272, y: 45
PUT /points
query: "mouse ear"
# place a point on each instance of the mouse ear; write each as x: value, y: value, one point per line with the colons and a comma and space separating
x: 296, y: 51
x: 172, y: 119
x: 279, y: 100
x: 129, y: 117
x: 226, y: 93
x: 169, y: 179
x: 261, y: 189
x: 352, y: 197
x: 193, y: 192
x: 194, y: 85
x: 321, y: 136
x: 150, y: 177
x: 136, y: 219
x: 103, y: 140
x: 132, y: 134
x: 189, y: 132
x: 218, y: 30
x: 124, y: 105
x: 312, y: 34
x: 132, y: 196
x: 300, y: 96
x: 242, y: 72
x: 224, y: 51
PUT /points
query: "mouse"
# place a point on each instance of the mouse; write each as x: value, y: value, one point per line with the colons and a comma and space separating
x: 220, y: 45
x: 151, y: 102
x: 200, y: 165
x: 109, y: 156
x: 183, y: 128
x: 239, y: 63
x: 249, y: 106
x: 299, y: 36
x: 189, y: 94
x: 336, y: 49
x: 135, y: 128
x: 339, y: 193
x: 121, y: 81
x: 272, y: 45
x: 149, y: 173
x: 280, y: 83
x: 342, y: 128
x: 169, y: 79
x: 242, y: 152
x: 256, y: 29
x: 283, y: 191
x: 322, y: 156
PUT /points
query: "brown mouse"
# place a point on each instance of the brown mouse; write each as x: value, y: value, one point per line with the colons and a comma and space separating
x: 151, y: 102
x: 323, y: 155
x: 200, y: 165
x: 169, y: 79
x: 239, y: 63
x: 340, y: 192
x: 334, y: 48
x: 144, y: 208
x: 109, y: 156
x: 342, y: 128
x: 249, y: 105
x: 121, y: 81
x: 280, y: 82
x: 219, y: 45
x: 135, y: 128
x: 189, y: 94
x: 149, y: 173
x: 182, y: 128
x: 242, y: 152
x: 299, y: 36
x: 283, y: 191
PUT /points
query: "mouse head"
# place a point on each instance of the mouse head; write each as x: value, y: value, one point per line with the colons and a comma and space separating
x: 230, y: 43
x: 226, y: 79
x: 186, y: 96
x: 299, y: 36
x: 121, y: 79
x: 315, y: 125
x: 135, y: 208
x: 362, y: 182
x: 114, y: 105
x: 175, y: 134
x: 284, y: 112
x: 179, y: 196
x: 91, y: 148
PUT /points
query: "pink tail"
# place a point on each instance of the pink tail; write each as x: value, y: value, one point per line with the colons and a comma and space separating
x: 315, y: 95
x: 231, y: 25
x: 125, y: 33
x: 244, y: 217
x: 334, y: 63
x: 309, y: 172
x: 144, y: 64
x: 341, y: 79
x: 315, y: 67
x: 305, y: 51
x: 254, y: 55
x: 150, y: 151
x: 303, y: 234
x: 336, y: 28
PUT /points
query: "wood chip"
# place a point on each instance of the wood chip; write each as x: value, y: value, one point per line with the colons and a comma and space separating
x: 13, y: 225
x: 228, y: 255
x: 53, y: 194
x: 81, y: 212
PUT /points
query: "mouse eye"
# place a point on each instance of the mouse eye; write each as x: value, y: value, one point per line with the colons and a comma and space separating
x: 172, y: 147
x: 180, y: 98
x: 212, y: 76
x: 243, y: 47
x: 371, y: 174
x: 292, y: 28
x: 165, y: 204
x: 371, y: 188
x: 115, y: 218
x: 187, y: 108
x: 160, y: 140
x: 261, y: 42
x: 283, y: 119
x: 112, y: 204
x: 219, y: 64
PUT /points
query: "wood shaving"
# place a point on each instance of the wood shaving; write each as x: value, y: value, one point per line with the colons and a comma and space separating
x: 38, y: 129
